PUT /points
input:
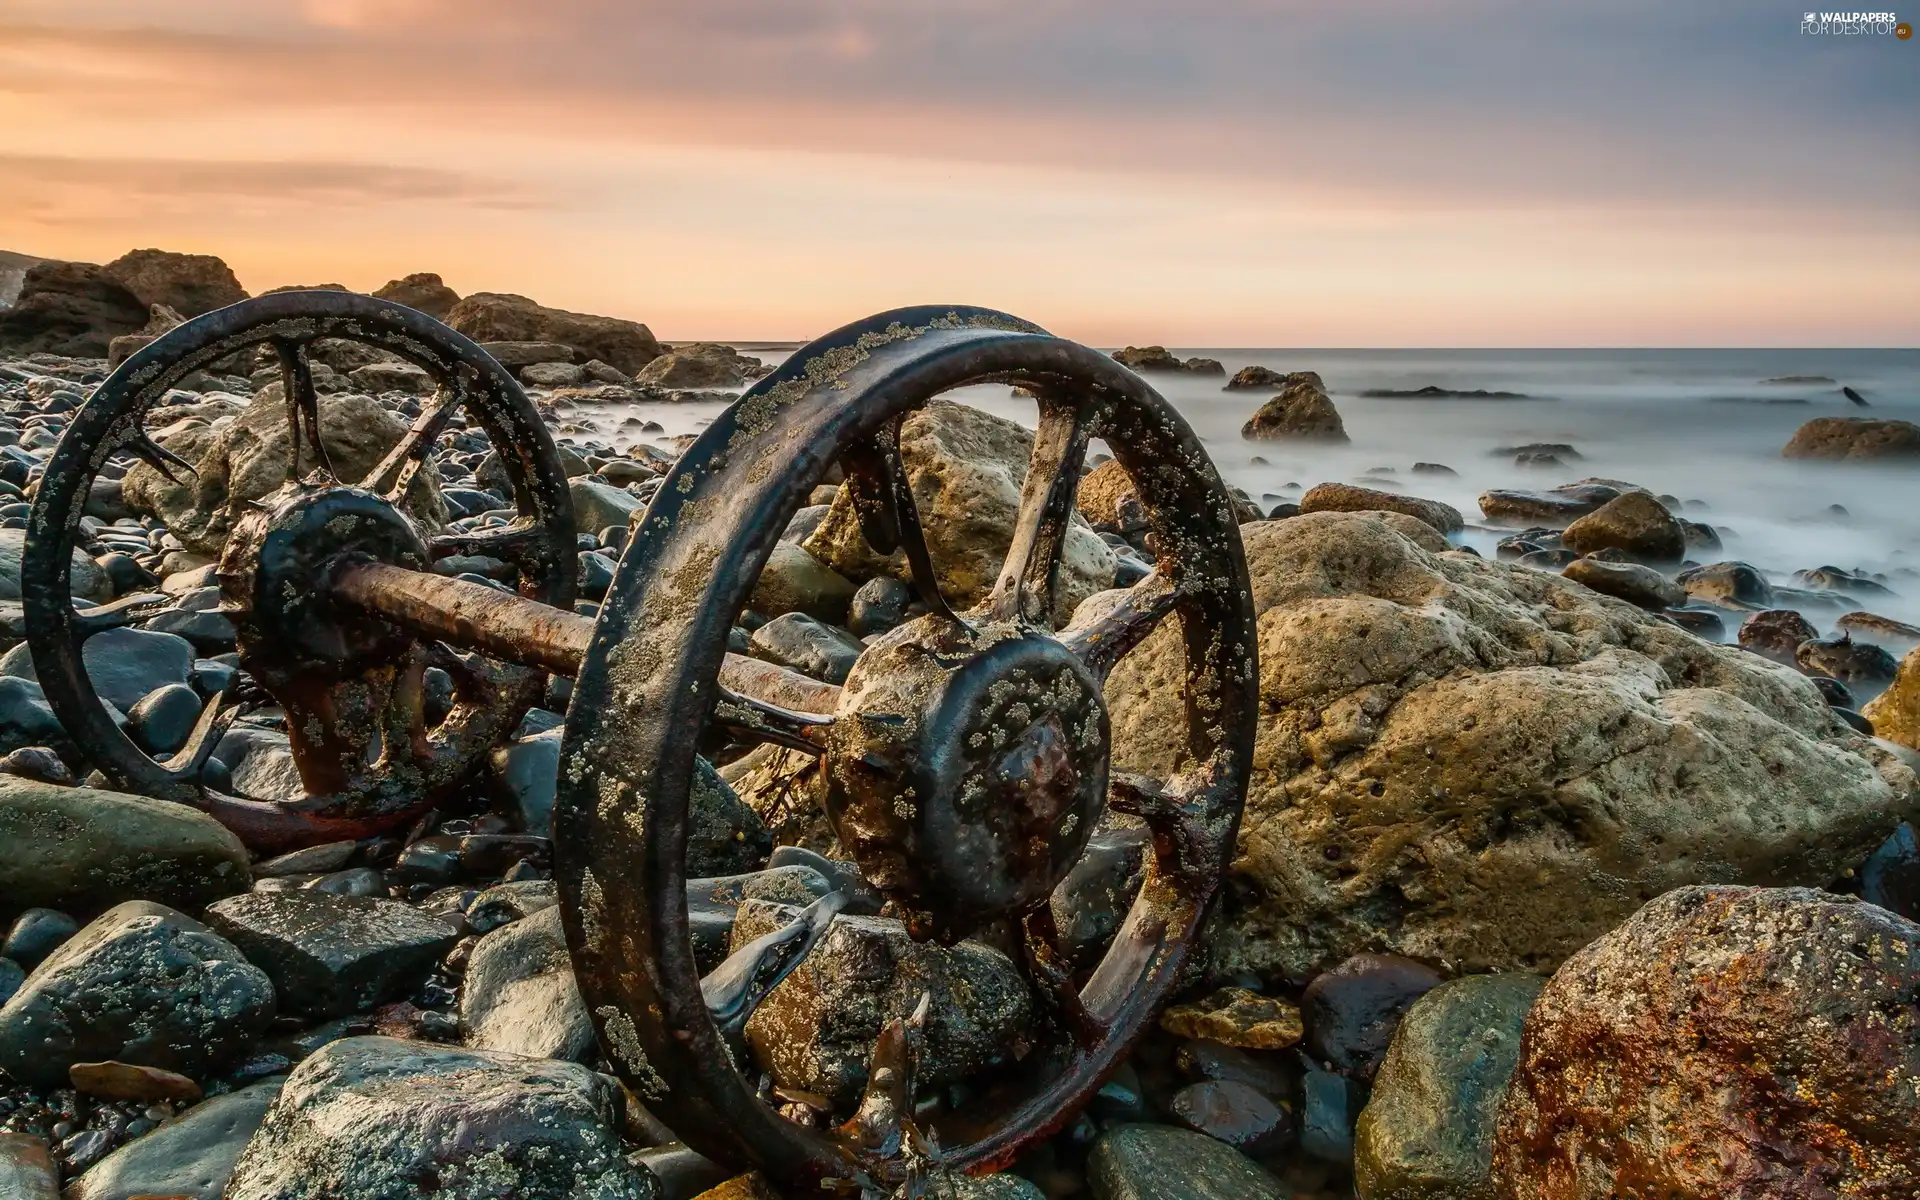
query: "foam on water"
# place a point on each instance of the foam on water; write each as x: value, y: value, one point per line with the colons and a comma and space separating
x: 1698, y: 424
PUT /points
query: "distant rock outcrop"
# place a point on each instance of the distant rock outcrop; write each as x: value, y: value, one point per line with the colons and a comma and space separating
x: 69, y: 308
x: 424, y: 291
x: 1301, y: 411
x: 504, y: 317
x: 13, y: 272
x: 1147, y: 359
x: 190, y: 284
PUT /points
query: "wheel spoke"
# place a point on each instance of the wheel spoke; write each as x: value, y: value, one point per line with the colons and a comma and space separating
x: 161, y: 459
x: 119, y: 613
x: 394, y: 475
x: 889, y: 516
x: 737, y: 986
x: 1102, y: 644
x: 215, y: 719
x: 1025, y: 587
x: 303, y: 406
x: 766, y: 722
x: 1049, y: 968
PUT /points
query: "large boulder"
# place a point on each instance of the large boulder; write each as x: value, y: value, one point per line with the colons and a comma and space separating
x: 83, y: 850
x: 504, y: 317
x: 1725, y: 1042
x: 69, y: 308
x: 331, y: 955
x: 1554, y: 507
x: 377, y: 1117
x: 1633, y: 523
x: 424, y: 291
x: 1302, y: 411
x: 1895, y: 713
x: 142, y: 984
x: 1836, y: 438
x: 701, y: 365
x: 1348, y: 498
x: 966, y: 468
x: 1463, y: 760
x: 248, y: 460
x: 189, y: 284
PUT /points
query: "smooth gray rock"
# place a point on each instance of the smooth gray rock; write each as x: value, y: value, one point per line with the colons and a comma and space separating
x: 1158, y: 1162
x: 520, y: 996
x: 191, y: 1157
x: 374, y: 1118
x: 331, y: 955
x: 26, y: 1168
x: 142, y: 984
x: 800, y: 642
x: 124, y: 664
x: 37, y: 933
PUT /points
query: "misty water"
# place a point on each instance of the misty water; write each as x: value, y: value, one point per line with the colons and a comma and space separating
x: 1701, y: 425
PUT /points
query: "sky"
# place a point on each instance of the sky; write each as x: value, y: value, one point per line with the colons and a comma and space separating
x: 1191, y: 172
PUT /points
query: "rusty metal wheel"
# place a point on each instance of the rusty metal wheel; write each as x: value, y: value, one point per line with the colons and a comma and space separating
x: 966, y: 755
x: 349, y: 682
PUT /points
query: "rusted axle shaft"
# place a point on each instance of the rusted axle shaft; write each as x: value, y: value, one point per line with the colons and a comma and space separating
x: 473, y: 616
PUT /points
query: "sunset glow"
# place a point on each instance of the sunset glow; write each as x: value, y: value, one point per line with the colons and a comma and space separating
x: 1220, y: 173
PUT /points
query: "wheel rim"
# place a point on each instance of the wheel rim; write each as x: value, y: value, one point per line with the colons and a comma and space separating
x: 649, y: 682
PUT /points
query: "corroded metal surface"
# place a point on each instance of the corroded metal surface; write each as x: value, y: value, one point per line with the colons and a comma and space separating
x: 1012, y: 717
x: 353, y: 706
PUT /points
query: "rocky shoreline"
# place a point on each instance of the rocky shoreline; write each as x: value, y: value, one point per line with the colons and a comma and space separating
x: 1542, y: 852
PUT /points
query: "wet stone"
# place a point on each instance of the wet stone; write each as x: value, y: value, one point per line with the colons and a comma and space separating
x: 1157, y: 1162
x: 1427, y: 1130
x: 330, y: 955
x: 191, y: 1157
x: 1329, y: 1105
x: 161, y: 723
x: 520, y: 996
x: 1728, y: 584
x: 1351, y: 1011
x: 1776, y: 634
x: 1700, y: 622
x: 131, y: 1081
x: 1847, y: 660
x: 801, y: 643
x: 37, y: 933
x: 1890, y: 878
x: 504, y: 903
x: 1090, y: 904
x: 1237, y: 1017
x: 142, y: 984
x: 878, y: 606
x: 1627, y: 581
x: 1233, y: 1113
x: 1267, y: 1074
x: 312, y: 860
x: 37, y: 762
x: 26, y: 1168
x: 124, y: 664
x: 377, y: 1117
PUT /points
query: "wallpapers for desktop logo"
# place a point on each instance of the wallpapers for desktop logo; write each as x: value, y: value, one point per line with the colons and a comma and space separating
x: 1855, y: 24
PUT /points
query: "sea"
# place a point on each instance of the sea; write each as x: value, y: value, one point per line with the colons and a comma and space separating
x: 1705, y: 426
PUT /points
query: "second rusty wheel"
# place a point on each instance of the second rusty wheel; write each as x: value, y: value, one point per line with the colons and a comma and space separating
x: 967, y: 755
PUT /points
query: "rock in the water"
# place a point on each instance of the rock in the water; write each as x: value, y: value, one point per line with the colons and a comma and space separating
x: 701, y: 365
x: 189, y: 284
x: 1835, y: 438
x: 186, y: 1159
x: 1632, y: 522
x: 1233, y: 1113
x: 1301, y: 412
x: 1776, y: 634
x: 1351, y: 1011
x: 1890, y: 877
x: 520, y: 996
x: 376, y: 1117
x: 69, y: 308
x: 1157, y: 1162
x: 85, y: 577
x: 504, y: 317
x: 1159, y: 358
x: 1347, y: 498
x: 1723, y: 1042
x: 331, y: 955
x: 248, y: 459
x: 1556, y: 507
x: 1427, y: 1131
x: 1468, y: 761
x: 141, y: 984
x: 795, y: 581
x: 1267, y: 379
x: 816, y: 1030
x: 424, y: 291
x: 83, y: 850
x: 966, y: 467
x: 1727, y: 584
x: 1631, y: 582
x: 1897, y: 636
x: 1860, y: 663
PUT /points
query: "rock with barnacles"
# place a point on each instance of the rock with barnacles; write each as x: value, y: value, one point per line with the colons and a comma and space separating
x: 816, y: 1030
x: 966, y: 468
x: 1463, y: 760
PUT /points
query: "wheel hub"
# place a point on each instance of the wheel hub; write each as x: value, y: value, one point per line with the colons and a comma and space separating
x: 966, y: 769
x: 273, y: 574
